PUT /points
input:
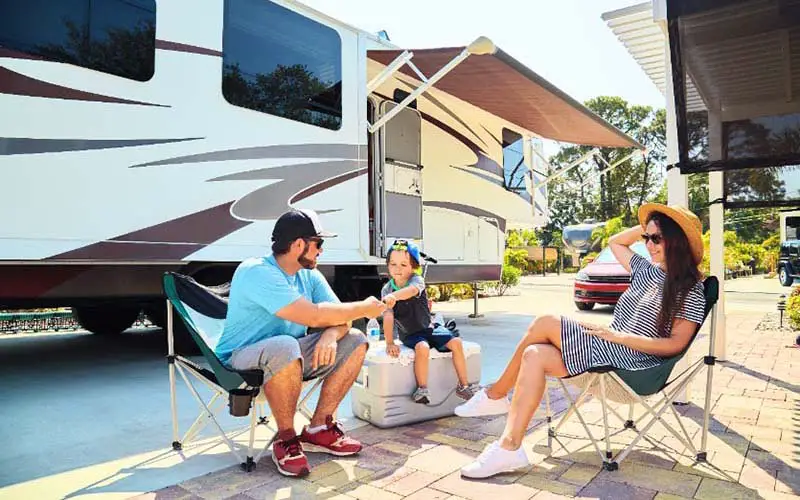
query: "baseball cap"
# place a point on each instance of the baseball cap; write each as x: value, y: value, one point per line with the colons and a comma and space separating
x: 299, y: 223
x: 408, y: 246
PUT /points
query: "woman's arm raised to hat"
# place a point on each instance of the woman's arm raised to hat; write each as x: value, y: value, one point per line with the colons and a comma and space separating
x: 621, y: 243
x: 305, y: 312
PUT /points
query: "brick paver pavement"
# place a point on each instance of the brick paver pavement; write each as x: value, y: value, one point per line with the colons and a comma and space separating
x: 753, y: 447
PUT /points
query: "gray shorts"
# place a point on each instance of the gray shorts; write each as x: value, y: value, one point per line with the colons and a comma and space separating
x: 275, y: 353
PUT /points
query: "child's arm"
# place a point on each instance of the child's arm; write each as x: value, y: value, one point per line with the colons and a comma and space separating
x: 388, y: 324
x: 416, y: 285
x: 388, y: 334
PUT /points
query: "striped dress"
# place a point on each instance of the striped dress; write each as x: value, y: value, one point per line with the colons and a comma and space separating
x: 636, y: 313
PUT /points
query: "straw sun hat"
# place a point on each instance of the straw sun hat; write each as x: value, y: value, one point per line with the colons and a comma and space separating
x: 685, y: 218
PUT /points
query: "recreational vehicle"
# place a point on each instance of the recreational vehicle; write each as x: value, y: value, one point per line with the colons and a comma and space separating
x: 136, y: 139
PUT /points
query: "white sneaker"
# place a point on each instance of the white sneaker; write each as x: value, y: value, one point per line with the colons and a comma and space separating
x: 495, y: 460
x: 480, y: 405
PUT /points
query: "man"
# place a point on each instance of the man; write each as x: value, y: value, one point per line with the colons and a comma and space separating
x: 273, y: 301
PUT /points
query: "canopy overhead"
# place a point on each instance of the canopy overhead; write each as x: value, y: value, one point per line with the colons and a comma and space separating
x: 504, y: 87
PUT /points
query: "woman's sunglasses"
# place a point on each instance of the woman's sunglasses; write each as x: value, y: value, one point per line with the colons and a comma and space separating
x: 655, y: 238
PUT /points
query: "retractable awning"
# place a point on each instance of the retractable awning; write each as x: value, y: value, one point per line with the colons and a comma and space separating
x: 502, y: 86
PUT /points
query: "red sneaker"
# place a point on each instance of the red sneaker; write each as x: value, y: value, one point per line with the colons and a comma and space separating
x: 287, y: 453
x: 330, y: 440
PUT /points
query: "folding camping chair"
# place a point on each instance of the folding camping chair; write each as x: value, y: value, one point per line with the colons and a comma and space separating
x: 203, y: 311
x: 634, y: 387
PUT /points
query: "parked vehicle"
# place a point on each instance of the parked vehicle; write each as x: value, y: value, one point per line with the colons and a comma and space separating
x: 604, y: 279
x: 789, y: 262
x: 180, y: 152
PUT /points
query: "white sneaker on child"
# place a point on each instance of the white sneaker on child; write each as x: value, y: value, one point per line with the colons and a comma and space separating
x: 495, y: 460
x: 481, y: 405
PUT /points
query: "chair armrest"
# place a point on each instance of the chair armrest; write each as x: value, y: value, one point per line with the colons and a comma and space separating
x: 601, y: 369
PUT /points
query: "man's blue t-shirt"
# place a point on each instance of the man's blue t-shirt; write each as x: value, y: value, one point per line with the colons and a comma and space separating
x: 259, y: 289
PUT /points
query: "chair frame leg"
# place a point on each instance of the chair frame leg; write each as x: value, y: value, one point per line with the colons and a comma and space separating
x: 655, y: 411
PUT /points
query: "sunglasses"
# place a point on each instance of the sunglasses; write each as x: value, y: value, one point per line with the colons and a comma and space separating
x: 318, y: 241
x: 655, y: 238
x: 400, y: 245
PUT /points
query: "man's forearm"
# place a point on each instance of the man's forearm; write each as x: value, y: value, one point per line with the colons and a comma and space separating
x: 330, y: 314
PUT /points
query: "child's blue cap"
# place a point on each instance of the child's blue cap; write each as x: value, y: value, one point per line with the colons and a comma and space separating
x: 408, y: 246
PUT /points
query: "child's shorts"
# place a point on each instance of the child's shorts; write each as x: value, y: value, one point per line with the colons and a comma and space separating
x: 438, y: 341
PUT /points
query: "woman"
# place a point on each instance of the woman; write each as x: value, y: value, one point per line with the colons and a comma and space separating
x: 654, y: 319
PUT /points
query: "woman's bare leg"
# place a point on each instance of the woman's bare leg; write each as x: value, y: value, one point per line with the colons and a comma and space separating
x: 543, y: 330
x: 538, y: 360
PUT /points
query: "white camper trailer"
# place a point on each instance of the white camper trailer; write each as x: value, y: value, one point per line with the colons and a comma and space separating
x: 136, y: 139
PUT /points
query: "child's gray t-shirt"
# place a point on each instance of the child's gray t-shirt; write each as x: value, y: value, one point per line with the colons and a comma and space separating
x: 412, y: 315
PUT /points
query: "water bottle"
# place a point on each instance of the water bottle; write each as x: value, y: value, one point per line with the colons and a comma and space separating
x: 373, y: 330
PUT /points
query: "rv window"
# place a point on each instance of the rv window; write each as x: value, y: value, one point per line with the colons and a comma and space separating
x: 112, y: 36
x: 279, y: 62
x: 514, y: 168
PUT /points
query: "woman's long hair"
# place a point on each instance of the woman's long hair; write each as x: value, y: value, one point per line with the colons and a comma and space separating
x: 682, y: 271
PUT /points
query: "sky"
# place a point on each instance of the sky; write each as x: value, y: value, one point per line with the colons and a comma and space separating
x: 565, y: 41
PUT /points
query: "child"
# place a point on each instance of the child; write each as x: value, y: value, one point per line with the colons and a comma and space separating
x: 408, y: 312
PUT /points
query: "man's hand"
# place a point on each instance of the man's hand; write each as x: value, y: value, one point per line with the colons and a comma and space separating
x: 373, y: 307
x: 393, y: 350
x: 325, y: 352
x: 390, y: 300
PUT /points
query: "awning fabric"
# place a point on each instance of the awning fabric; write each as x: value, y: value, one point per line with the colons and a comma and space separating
x: 506, y: 88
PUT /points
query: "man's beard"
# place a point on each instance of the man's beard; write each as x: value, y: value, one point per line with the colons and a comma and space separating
x: 305, y: 261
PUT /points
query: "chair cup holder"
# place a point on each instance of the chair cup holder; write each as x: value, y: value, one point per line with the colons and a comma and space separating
x: 240, y: 401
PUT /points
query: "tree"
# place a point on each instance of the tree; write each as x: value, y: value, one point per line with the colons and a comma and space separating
x: 632, y: 182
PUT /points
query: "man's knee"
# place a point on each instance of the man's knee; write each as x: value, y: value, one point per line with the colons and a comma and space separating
x: 422, y: 347
x: 282, y: 350
x: 353, y: 346
x: 361, y: 341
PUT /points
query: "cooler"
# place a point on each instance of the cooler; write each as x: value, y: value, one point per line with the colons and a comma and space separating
x: 382, y: 392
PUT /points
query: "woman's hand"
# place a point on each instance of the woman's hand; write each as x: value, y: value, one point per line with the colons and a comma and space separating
x: 604, y: 333
x: 392, y: 350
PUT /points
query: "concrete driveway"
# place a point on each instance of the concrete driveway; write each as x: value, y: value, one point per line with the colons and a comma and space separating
x: 84, y: 412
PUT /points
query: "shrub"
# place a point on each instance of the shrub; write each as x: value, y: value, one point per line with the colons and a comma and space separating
x: 433, y: 292
x: 793, y: 308
x: 509, y: 278
x: 454, y: 291
x: 765, y: 254
x: 516, y: 258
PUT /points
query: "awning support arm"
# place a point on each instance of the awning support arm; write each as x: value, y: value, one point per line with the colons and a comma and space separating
x: 612, y: 166
x: 566, y: 169
x: 389, y: 70
x: 480, y: 46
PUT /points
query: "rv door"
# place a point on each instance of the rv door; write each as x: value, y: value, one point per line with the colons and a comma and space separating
x: 402, y: 175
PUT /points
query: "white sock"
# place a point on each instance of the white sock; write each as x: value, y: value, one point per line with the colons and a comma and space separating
x: 314, y: 430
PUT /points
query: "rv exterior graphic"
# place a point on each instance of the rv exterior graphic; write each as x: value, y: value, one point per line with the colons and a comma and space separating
x: 134, y: 141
